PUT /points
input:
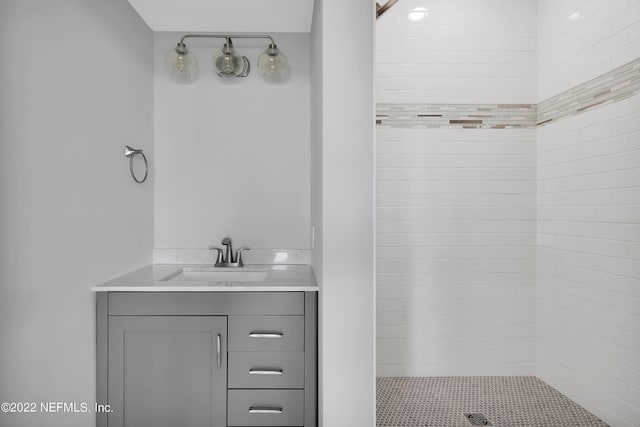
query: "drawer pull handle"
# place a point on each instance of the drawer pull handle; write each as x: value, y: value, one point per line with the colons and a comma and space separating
x: 257, y: 410
x: 219, y: 351
x: 266, y: 334
x: 265, y: 371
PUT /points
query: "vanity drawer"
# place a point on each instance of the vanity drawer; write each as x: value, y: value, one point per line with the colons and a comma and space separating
x: 265, y: 408
x: 266, y: 370
x: 266, y: 333
x: 205, y: 303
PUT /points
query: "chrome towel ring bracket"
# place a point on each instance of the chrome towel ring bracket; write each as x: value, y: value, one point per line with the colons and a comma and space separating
x: 131, y: 153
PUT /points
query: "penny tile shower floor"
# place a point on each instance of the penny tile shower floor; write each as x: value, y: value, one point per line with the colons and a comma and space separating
x: 504, y: 401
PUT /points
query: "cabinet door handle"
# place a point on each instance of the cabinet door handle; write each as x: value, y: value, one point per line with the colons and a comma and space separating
x: 265, y: 371
x: 258, y: 410
x: 219, y: 351
x: 266, y: 334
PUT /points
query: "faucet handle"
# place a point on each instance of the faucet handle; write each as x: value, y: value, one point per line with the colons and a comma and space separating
x: 239, y: 256
x: 219, y: 255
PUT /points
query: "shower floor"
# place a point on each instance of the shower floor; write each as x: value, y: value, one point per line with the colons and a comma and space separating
x: 504, y: 401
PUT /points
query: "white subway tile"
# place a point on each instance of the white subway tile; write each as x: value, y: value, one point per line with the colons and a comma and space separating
x: 457, y: 278
x: 601, y: 40
x: 634, y: 31
x: 596, y: 35
x: 627, y: 17
x: 462, y: 226
x: 453, y: 45
x: 626, y: 54
x: 619, y: 109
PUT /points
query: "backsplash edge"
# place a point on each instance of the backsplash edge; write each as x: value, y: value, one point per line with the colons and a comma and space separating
x: 254, y: 256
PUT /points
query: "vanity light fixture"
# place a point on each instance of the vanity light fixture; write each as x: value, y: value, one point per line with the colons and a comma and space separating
x: 182, y: 64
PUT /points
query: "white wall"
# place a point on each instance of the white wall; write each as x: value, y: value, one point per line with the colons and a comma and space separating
x: 316, y: 170
x: 77, y: 89
x: 467, y: 51
x: 343, y: 113
x: 456, y: 208
x: 581, y: 39
x: 588, y: 302
x: 232, y: 158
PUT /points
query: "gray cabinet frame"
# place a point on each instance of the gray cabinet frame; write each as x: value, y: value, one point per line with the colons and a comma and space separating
x: 208, y: 304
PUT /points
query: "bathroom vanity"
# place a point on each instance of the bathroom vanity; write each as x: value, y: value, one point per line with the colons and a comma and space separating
x: 197, y: 346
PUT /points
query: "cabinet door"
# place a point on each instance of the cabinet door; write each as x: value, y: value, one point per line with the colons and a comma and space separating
x: 167, y: 371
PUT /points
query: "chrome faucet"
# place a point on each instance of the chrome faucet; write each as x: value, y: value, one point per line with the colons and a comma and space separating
x: 229, y: 255
x: 227, y: 259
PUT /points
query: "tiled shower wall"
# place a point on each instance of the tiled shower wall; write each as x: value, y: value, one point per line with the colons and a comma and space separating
x: 588, y: 284
x: 456, y: 207
x: 467, y: 51
x: 458, y: 218
x: 456, y: 252
x: 588, y: 280
x: 582, y: 39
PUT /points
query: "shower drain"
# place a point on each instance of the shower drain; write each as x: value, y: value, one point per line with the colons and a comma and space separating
x: 477, y: 420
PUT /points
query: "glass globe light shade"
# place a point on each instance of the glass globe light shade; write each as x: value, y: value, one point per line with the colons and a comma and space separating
x: 273, y: 63
x: 181, y: 64
x: 227, y: 63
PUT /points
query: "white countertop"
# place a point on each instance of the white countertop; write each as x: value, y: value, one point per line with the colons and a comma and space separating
x: 167, y: 278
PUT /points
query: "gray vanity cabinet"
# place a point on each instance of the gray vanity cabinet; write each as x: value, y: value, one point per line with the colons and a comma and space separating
x: 207, y: 359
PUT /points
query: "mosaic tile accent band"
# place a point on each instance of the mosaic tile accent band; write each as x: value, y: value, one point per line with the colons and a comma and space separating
x: 616, y: 85
x: 456, y: 116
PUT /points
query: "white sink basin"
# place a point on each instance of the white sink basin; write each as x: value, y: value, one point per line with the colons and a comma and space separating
x: 216, y: 275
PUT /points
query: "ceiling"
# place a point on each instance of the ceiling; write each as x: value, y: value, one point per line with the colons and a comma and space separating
x: 273, y: 16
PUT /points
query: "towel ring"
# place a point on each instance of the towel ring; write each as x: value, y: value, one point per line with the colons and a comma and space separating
x: 131, y: 153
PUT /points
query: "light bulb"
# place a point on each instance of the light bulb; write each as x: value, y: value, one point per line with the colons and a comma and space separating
x: 273, y: 63
x: 181, y: 64
x: 227, y: 63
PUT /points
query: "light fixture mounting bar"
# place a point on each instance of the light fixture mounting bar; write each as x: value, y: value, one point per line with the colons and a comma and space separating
x: 228, y: 36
